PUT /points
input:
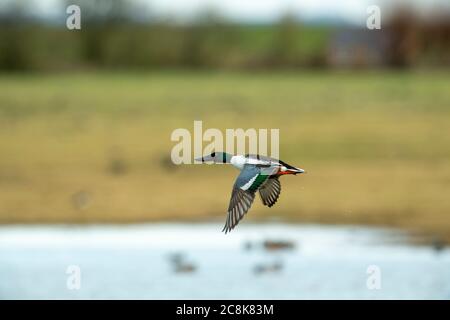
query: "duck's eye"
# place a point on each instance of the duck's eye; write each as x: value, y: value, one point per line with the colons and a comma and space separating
x: 213, y: 154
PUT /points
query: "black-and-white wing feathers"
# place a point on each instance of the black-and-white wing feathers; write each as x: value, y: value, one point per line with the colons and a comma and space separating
x: 242, y: 196
x: 270, y: 191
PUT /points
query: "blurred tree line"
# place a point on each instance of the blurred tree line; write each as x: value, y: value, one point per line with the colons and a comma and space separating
x: 121, y: 34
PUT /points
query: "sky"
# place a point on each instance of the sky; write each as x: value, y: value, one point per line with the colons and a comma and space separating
x: 263, y: 11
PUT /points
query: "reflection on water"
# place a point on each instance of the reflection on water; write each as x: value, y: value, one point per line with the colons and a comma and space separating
x: 197, y: 261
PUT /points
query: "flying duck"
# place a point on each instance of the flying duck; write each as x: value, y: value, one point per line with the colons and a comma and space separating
x: 258, y: 173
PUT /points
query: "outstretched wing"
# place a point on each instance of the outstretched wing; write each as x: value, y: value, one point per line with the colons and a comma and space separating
x: 240, y: 203
x: 243, y: 195
x: 270, y: 191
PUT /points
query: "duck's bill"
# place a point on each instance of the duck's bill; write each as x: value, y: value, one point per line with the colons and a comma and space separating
x: 200, y: 159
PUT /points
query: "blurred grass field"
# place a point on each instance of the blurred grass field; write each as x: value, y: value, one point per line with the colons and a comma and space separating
x: 95, y: 147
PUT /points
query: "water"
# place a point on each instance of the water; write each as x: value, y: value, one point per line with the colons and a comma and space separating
x: 139, y: 262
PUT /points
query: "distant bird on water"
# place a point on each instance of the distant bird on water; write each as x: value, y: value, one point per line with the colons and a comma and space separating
x: 258, y: 173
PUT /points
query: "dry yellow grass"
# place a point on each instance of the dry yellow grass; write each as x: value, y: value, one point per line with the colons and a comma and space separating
x: 94, y: 148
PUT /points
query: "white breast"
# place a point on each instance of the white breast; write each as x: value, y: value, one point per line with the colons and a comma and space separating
x: 238, y: 162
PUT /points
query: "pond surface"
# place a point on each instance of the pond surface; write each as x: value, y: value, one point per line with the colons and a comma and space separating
x: 197, y: 261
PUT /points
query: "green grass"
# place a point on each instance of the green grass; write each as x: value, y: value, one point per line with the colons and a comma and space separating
x: 375, y: 145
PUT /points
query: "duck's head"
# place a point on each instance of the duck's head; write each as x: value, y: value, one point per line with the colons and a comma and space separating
x: 215, y: 157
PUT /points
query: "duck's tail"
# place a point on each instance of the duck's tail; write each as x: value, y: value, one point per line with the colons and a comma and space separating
x: 290, y: 169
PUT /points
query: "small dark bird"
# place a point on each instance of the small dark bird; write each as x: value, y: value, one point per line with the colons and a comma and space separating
x: 258, y: 173
x: 180, y: 265
x: 276, y: 245
x: 268, y: 268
